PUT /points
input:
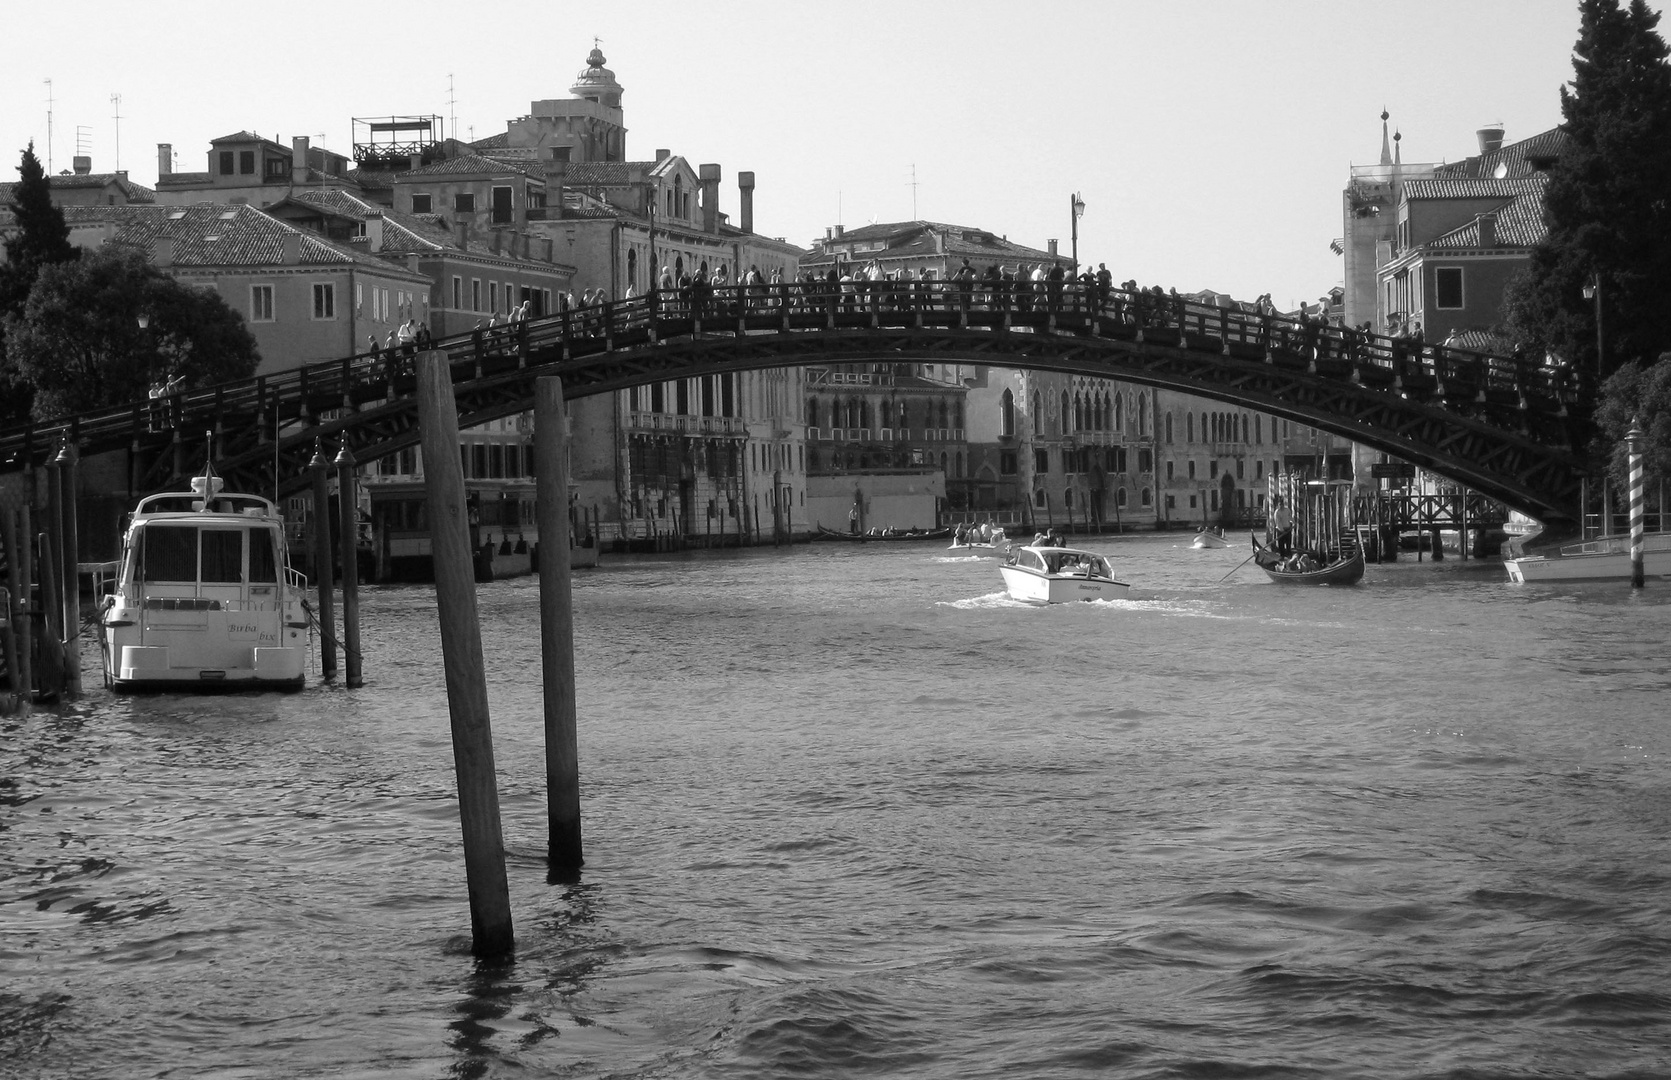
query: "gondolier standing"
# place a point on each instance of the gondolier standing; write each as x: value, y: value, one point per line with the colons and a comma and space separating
x: 1282, y: 528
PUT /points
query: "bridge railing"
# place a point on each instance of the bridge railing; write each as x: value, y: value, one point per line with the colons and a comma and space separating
x: 1375, y: 360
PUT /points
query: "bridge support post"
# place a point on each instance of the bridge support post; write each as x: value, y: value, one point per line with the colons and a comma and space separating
x: 322, y: 570
x: 461, y: 653
x: 551, y: 497
x: 348, y: 531
x: 72, y: 569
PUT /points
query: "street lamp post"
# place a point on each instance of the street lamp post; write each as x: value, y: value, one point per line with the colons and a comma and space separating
x: 1592, y: 291
x: 1076, y: 206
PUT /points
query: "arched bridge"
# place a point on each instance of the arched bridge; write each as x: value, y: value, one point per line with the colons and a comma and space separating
x: 1498, y: 425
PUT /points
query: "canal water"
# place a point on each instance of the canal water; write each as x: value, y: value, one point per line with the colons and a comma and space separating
x: 849, y: 812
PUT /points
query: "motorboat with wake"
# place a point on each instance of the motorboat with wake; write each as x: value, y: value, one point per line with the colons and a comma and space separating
x: 1055, y: 575
x: 1206, y: 538
x: 204, y: 596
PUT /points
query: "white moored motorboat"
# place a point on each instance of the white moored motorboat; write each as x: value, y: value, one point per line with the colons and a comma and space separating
x: 1054, y: 575
x: 205, y: 597
x: 1206, y: 538
x: 1606, y: 558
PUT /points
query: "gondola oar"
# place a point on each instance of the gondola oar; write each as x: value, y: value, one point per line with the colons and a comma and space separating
x: 1238, y: 566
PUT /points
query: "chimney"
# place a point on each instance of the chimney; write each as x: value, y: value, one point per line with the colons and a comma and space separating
x: 292, y: 248
x: 1050, y: 245
x: 709, y: 176
x: 1491, y: 138
x: 414, y: 161
x: 165, y: 159
x: 162, y: 251
x: 299, y: 159
x: 663, y: 155
x: 745, y: 192
x: 463, y: 233
x: 1488, y: 230
x: 374, y: 231
x: 555, y: 173
x: 840, y: 230
x: 82, y: 164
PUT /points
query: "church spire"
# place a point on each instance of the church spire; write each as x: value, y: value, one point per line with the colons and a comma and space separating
x: 1386, y: 150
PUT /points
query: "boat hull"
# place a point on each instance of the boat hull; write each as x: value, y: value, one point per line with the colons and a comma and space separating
x: 1036, y: 588
x: 1347, y: 571
x: 1209, y: 540
x: 1603, y: 566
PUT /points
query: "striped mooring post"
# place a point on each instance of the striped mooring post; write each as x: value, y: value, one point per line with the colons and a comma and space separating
x: 1633, y: 448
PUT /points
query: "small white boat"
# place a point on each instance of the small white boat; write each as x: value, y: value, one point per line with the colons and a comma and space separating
x: 1606, y: 558
x: 205, y: 597
x: 1206, y: 538
x: 1055, y: 575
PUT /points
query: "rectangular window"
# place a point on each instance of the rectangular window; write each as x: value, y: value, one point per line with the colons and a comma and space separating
x: 227, y: 167
x: 1041, y: 461
x: 475, y: 294
x: 493, y: 297
x: 169, y: 553
x: 502, y: 213
x: 465, y: 202
x: 1007, y: 463
x: 1192, y: 470
x: 458, y: 293
x: 324, y: 300
x: 1447, y: 288
x: 1212, y: 469
x: 421, y: 202
x: 1145, y: 461
x: 260, y: 303
x: 246, y: 161
x: 1169, y: 465
x: 263, y: 562
x: 223, y: 556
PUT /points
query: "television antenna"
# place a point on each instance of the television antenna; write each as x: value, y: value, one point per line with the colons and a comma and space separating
x: 913, y: 186
x: 116, y: 103
x: 48, y: 127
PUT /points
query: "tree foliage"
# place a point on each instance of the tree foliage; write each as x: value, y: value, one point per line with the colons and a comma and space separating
x: 78, y: 342
x: 42, y: 238
x: 1636, y: 395
x: 1608, y: 202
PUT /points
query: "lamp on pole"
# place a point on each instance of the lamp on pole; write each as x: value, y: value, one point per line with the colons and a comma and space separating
x: 1592, y: 291
x: 1077, y: 206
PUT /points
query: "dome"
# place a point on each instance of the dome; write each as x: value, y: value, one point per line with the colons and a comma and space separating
x: 597, y: 82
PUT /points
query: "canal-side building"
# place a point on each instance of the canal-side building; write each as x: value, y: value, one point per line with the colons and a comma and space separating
x: 305, y: 298
x: 81, y: 186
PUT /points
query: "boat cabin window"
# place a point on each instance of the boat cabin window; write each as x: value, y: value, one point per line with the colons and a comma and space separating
x: 176, y: 554
x: 169, y: 553
x: 1031, y: 560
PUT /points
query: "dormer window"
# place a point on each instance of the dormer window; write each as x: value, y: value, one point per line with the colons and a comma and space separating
x: 421, y: 202
x: 227, y: 166
x: 246, y: 162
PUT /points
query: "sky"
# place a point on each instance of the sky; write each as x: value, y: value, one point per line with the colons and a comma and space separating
x: 1210, y: 140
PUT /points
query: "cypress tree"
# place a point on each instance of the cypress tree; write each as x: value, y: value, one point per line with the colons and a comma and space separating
x: 42, y: 238
x: 1606, y: 205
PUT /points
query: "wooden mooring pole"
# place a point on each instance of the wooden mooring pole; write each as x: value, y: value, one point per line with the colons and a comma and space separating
x: 461, y: 653
x: 71, y: 555
x: 349, y: 530
x: 12, y: 615
x: 551, y: 496
x: 23, y: 582
x: 322, y: 570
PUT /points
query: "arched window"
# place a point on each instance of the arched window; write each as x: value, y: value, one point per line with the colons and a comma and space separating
x: 1120, y: 497
x: 942, y: 462
x: 1119, y: 412
x: 945, y: 415
x: 1006, y: 414
x: 1067, y: 414
x: 1142, y: 415
x: 1145, y: 498
x: 1038, y: 411
x: 1169, y: 425
x: 811, y: 412
x: 1259, y: 429
x: 1189, y: 425
x: 957, y: 414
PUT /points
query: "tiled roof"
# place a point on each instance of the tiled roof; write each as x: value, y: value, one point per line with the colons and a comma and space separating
x: 582, y: 173
x: 1516, y: 159
x: 1519, y: 222
x: 217, y: 234
x: 1471, y: 188
x: 247, y: 136
x: 914, y: 239
x: 1486, y: 341
x: 134, y: 193
x: 470, y: 164
x: 492, y: 142
x: 183, y: 179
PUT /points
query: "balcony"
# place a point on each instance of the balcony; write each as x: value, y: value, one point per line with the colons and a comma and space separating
x: 685, y: 425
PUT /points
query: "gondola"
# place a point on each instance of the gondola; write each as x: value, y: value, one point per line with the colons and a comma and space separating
x: 1347, y: 570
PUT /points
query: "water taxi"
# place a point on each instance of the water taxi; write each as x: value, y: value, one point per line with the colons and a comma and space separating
x: 1055, y: 575
x: 205, y: 597
x: 1605, y: 558
x: 1206, y: 538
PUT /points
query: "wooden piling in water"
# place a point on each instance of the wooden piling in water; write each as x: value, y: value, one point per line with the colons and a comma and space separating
x: 461, y: 653
x: 13, y: 614
x: 562, y: 754
x: 322, y: 572
x: 349, y: 529
x: 1633, y: 446
x: 23, y: 555
x: 71, y: 556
